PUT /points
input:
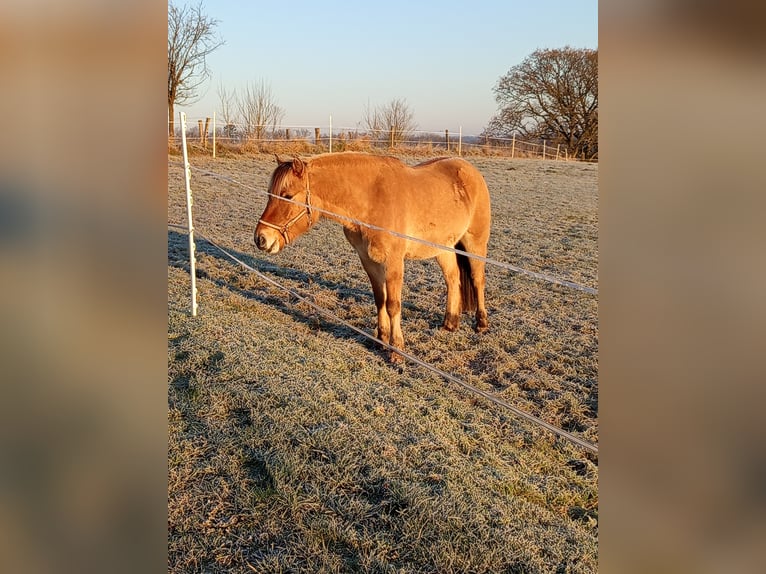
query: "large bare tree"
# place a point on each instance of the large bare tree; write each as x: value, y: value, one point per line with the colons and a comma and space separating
x: 551, y: 95
x: 191, y: 38
x: 394, y: 120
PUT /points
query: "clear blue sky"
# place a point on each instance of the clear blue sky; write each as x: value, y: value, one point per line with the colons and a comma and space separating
x: 333, y: 57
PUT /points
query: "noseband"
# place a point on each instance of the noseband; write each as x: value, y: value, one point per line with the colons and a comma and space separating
x: 284, y: 228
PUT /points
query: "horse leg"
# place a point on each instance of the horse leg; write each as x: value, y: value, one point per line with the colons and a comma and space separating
x: 394, y: 279
x: 377, y: 275
x: 479, y: 283
x: 448, y: 263
x: 478, y: 246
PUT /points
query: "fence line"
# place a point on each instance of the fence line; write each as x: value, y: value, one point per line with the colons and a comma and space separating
x: 235, y: 133
x: 444, y: 374
x: 489, y: 260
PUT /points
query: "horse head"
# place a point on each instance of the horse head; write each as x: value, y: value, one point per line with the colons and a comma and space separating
x: 287, y: 215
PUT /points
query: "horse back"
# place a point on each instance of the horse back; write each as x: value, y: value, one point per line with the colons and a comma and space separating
x: 456, y: 176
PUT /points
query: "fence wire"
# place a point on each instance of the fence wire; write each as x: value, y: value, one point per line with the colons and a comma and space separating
x: 589, y: 446
x: 448, y: 376
x: 489, y: 260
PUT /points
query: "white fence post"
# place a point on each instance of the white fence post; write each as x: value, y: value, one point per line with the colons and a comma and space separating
x: 192, y: 248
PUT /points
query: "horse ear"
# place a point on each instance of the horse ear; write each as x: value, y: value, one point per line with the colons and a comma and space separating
x: 298, y: 166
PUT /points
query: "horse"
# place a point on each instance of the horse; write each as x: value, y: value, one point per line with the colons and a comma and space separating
x: 443, y: 201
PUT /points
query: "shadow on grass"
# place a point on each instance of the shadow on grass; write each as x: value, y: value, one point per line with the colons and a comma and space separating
x: 178, y: 257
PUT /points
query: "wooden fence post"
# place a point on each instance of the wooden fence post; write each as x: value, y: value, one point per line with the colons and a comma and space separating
x: 543, y: 149
x: 316, y: 136
x: 199, y: 123
x: 513, y: 146
x: 207, y: 127
x: 446, y: 138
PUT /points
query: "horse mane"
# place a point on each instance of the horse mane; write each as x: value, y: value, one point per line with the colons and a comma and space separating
x: 280, y: 176
x: 349, y: 159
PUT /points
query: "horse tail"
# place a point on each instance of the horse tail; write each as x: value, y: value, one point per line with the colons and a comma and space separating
x: 467, y: 290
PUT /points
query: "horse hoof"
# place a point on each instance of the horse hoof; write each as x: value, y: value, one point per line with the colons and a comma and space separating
x: 451, y: 323
x: 482, y: 325
x: 395, y: 358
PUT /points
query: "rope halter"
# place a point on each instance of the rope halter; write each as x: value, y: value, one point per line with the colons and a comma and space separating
x: 283, y: 229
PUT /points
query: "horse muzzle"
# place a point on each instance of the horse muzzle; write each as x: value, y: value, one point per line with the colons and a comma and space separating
x: 267, y: 240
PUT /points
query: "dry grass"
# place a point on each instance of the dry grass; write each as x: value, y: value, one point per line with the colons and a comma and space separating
x: 295, y: 447
x: 226, y: 148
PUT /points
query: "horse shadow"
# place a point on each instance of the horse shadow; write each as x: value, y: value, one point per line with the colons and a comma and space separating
x: 178, y: 257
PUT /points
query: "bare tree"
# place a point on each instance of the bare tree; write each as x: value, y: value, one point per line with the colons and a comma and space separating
x: 371, y: 121
x: 228, y: 101
x: 191, y: 38
x: 258, y: 109
x: 395, y: 120
x: 551, y: 95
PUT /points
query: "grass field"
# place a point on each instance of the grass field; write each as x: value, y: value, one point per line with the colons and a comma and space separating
x: 294, y: 446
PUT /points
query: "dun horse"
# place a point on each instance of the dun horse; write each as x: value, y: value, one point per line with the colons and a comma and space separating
x: 442, y: 201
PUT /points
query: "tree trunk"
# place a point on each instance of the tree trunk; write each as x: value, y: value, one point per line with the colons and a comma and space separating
x: 171, y: 122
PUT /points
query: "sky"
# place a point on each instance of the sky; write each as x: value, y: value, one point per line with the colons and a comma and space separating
x: 335, y: 58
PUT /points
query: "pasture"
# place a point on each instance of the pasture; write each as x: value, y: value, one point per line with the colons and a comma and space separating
x: 295, y: 446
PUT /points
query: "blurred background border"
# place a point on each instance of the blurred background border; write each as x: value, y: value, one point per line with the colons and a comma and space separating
x: 83, y: 269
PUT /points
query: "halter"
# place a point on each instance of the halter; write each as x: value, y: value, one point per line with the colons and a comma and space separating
x: 283, y: 228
